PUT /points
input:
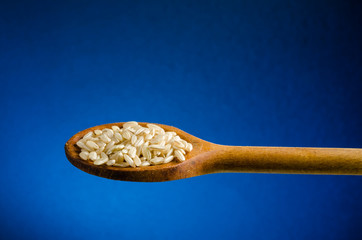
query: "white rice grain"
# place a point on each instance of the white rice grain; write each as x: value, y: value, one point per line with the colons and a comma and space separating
x: 157, y: 147
x: 122, y: 164
x: 101, y: 144
x: 109, y: 146
x: 119, y: 156
x: 104, y: 156
x: 97, y: 132
x: 127, y: 134
x: 118, y: 147
x: 157, y: 160
x: 129, y: 160
x: 105, y: 138
x: 134, y: 139
x: 118, y: 136
x: 146, y: 153
x: 116, y: 129
x: 168, y: 159
x: 111, y: 162
x: 188, y: 147
x: 140, y: 130
x: 100, y: 161
x: 137, y: 161
x: 130, y: 124
x: 108, y: 132
x: 169, y: 153
x: 132, y: 152
x: 178, y: 144
x: 148, y: 137
x: 138, y: 152
x: 139, y: 142
x: 182, y: 151
x: 157, y: 139
x: 88, y: 135
x: 93, y: 156
x: 92, y: 145
x: 153, y: 126
x: 83, y: 146
x: 84, y: 155
x: 145, y: 164
x: 179, y: 155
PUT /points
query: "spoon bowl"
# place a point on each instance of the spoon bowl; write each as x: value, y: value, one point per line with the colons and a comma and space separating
x: 164, y: 172
x: 207, y: 157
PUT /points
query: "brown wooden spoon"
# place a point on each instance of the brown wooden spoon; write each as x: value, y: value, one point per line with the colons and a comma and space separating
x: 206, y: 158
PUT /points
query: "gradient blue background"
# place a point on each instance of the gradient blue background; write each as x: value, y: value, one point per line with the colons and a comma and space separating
x: 267, y: 73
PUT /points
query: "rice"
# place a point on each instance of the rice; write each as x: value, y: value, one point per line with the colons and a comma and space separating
x: 132, y: 146
x: 93, y: 156
x: 129, y: 160
x: 179, y: 155
x: 84, y: 155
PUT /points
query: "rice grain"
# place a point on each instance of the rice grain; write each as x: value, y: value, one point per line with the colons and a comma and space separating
x: 168, y: 159
x: 129, y: 160
x: 84, y: 155
x: 93, y: 156
x: 179, y: 155
x: 127, y: 134
x: 105, y: 138
x: 137, y: 161
x: 111, y: 162
x: 97, y: 132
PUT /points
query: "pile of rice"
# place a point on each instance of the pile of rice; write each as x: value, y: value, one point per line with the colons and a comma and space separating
x: 133, y: 146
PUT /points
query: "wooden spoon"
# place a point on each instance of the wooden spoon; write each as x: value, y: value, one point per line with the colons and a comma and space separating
x: 206, y: 158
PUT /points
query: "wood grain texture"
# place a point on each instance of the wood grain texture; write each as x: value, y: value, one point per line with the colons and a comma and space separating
x: 207, y: 158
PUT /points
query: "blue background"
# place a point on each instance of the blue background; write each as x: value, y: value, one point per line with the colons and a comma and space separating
x: 263, y: 73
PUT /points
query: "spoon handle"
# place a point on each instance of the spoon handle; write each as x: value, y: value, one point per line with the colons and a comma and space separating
x: 286, y: 160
